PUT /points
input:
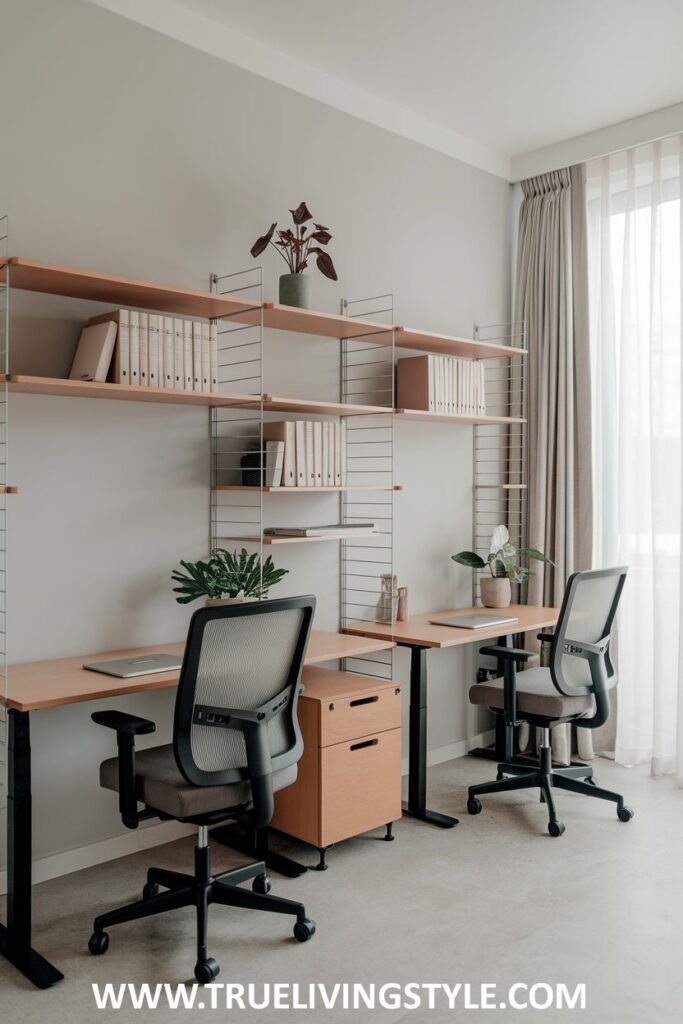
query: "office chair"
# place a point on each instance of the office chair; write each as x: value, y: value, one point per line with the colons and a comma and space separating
x: 575, y: 688
x: 236, y: 741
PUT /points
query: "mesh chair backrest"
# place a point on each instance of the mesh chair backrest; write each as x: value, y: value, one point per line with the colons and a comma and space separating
x: 240, y: 657
x: 579, y: 660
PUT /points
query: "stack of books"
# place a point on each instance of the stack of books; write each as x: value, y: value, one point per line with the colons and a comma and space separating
x: 302, y: 453
x: 158, y: 351
x: 442, y: 385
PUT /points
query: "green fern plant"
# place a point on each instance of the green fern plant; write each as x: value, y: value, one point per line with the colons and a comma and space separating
x: 226, y: 574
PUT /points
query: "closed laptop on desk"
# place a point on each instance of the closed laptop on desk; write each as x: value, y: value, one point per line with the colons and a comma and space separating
x: 145, y: 665
x: 474, y: 620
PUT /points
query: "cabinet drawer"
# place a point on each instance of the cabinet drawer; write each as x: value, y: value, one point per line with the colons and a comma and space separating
x: 360, y: 785
x: 345, y: 718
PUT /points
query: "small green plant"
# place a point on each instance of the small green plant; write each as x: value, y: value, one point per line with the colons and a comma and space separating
x: 504, y: 559
x: 226, y: 574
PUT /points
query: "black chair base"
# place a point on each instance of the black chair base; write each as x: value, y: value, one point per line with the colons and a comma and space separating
x: 546, y: 778
x: 200, y: 891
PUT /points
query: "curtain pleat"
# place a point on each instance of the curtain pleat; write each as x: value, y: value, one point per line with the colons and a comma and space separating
x: 552, y: 298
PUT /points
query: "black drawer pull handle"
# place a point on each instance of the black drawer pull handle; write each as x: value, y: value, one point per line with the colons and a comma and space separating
x: 362, y: 700
x: 365, y: 743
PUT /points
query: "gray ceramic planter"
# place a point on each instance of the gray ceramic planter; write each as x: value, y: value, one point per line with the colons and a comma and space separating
x: 295, y: 290
x: 495, y: 591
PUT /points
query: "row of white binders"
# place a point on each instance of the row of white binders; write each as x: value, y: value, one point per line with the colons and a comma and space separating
x: 305, y: 453
x: 443, y: 385
x: 158, y: 351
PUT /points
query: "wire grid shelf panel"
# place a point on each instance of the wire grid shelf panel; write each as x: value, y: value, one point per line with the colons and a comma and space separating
x: 4, y: 407
x: 237, y: 430
x: 500, y: 451
x: 367, y: 563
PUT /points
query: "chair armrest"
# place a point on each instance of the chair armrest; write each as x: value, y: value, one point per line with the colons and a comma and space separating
x: 128, y: 725
x: 509, y: 653
x: 545, y: 638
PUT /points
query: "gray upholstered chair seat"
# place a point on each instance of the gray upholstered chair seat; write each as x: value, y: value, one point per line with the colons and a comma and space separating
x: 536, y: 695
x: 160, y: 785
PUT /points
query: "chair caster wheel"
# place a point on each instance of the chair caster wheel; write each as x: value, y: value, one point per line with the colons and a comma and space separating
x: 98, y: 943
x: 149, y: 890
x: 624, y: 813
x: 206, y: 971
x: 261, y: 885
x: 555, y: 828
x: 473, y: 805
x: 304, y: 929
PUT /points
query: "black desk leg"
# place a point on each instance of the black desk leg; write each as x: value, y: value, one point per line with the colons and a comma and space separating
x: 15, y: 939
x: 417, y: 743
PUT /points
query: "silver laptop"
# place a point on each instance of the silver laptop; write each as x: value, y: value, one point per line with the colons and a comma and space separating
x: 145, y: 665
x: 474, y: 620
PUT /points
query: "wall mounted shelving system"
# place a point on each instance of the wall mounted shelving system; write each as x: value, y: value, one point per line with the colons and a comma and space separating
x: 368, y: 342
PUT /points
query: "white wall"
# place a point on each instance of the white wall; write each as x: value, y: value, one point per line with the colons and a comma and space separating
x: 129, y: 152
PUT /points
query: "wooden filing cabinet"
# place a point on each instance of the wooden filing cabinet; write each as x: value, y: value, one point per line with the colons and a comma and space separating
x: 349, y: 778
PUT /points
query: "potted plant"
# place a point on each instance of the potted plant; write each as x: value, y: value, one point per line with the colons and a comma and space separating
x: 297, y: 247
x: 227, y: 577
x: 504, y: 563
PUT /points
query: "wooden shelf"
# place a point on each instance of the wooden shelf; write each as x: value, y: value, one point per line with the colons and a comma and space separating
x: 300, y: 540
x: 330, y: 325
x: 325, y: 325
x: 8, y: 490
x: 423, y: 415
x: 302, y: 405
x: 444, y: 344
x: 78, y: 283
x: 123, y: 291
x: 123, y: 392
x: 307, y: 490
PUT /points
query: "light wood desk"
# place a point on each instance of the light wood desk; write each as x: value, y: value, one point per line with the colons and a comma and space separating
x: 48, y: 684
x: 418, y: 634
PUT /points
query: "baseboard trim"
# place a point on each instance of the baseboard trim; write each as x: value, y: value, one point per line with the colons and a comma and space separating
x: 155, y: 835
x: 107, y: 849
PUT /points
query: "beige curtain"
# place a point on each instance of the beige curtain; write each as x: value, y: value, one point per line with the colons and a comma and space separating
x: 552, y: 298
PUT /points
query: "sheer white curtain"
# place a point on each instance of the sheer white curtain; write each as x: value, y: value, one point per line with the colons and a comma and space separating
x: 634, y: 247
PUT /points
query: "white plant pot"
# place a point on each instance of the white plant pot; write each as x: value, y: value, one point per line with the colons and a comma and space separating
x: 495, y: 591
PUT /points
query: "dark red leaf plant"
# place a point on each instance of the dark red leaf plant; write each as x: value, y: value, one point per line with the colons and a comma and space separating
x: 297, y: 247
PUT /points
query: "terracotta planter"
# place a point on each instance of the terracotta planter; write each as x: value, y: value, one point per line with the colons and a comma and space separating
x: 495, y: 591
x: 295, y: 290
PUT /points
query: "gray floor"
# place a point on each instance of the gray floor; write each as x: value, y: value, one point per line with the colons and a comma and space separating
x: 494, y: 900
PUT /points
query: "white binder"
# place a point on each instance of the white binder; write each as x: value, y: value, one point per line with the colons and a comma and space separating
x: 153, y: 350
x: 134, y: 347
x: 213, y: 361
x: 168, y: 352
x: 206, y: 357
x: 144, y: 350
x: 178, y: 356
x: 317, y: 453
x: 300, y: 445
x: 196, y: 356
x: 187, y: 355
